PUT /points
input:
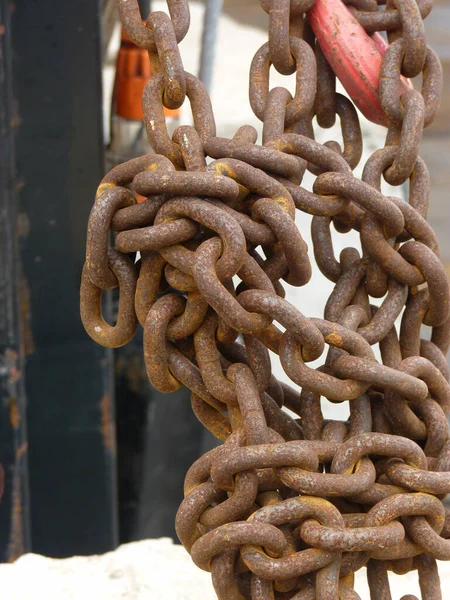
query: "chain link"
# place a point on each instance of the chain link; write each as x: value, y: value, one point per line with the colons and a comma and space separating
x: 291, y: 504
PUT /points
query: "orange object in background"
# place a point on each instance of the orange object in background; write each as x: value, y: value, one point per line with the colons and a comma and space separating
x: 133, y: 72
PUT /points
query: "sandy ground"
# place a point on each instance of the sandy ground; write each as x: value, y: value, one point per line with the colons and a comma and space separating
x: 148, y: 570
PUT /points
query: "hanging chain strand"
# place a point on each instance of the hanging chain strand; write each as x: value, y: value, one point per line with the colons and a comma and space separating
x: 290, y: 507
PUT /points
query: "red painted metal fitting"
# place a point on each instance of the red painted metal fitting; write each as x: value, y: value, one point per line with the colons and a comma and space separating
x: 133, y: 72
x: 354, y: 56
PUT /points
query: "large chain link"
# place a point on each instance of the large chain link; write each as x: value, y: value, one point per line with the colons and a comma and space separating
x: 289, y: 506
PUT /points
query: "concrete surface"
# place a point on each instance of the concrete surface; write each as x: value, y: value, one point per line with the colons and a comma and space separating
x: 148, y: 570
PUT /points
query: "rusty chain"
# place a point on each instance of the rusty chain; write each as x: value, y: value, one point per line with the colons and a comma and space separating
x: 291, y: 504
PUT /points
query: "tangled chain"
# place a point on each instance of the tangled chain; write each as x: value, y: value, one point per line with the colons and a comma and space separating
x: 289, y: 507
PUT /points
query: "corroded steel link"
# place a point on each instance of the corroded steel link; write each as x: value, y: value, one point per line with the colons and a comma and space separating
x: 255, y: 181
x: 186, y: 184
x: 297, y: 7
x: 210, y: 418
x: 232, y: 461
x: 204, y: 236
x: 91, y: 303
x: 236, y: 534
x: 384, y: 318
x: 325, y: 106
x: 413, y: 32
x: 255, y: 355
x: 294, y: 248
x: 351, y: 134
x: 381, y: 444
x: 233, y: 240
x: 257, y: 156
x: 148, y: 283
x: 378, y: 580
x: 167, y: 59
x: 434, y: 274
x: 428, y: 577
x: 98, y: 233
x: 386, y: 20
x: 191, y: 147
x: 179, y: 280
x: 274, y: 115
x: 419, y: 480
x: 323, y: 248
x: 412, y: 264
x: 192, y: 318
x: 155, y: 121
x: 316, y: 381
x: 143, y: 36
x: 307, y: 334
x: 225, y: 576
x: 209, y: 285
x: 434, y: 354
x: 345, y: 289
x: 155, y: 355
x: 416, y: 226
x: 124, y: 174
x: 390, y: 76
x: 156, y: 237
x: 354, y: 539
x: 209, y: 361
x: 259, y: 362
x: 135, y: 215
x: 340, y: 184
x: 189, y: 375
x: 306, y: 79
x: 279, y: 48
x: 407, y: 139
x: 312, y: 151
x: 237, y: 507
x: 190, y: 510
x: 351, y: 130
x: 380, y: 376
x: 255, y: 233
x: 249, y: 402
x: 313, y: 204
x: 329, y: 484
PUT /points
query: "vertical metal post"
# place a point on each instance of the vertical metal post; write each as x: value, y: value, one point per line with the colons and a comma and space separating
x: 213, y: 9
x: 14, y: 497
x: 69, y: 378
x: 145, y: 8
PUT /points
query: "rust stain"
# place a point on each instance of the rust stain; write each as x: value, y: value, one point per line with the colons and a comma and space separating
x: 16, y: 541
x: 106, y: 424
x: 25, y: 312
x: 14, y: 413
x: 133, y: 369
x: 334, y: 339
x: 10, y: 358
x: 21, y: 451
x: 23, y: 225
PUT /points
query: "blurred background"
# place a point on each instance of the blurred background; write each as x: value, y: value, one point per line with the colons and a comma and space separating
x: 90, y: 455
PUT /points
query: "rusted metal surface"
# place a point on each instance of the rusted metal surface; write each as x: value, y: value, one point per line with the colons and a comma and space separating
x: 291, y: 506
x: 66, y: 374
x: 15, y: 525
